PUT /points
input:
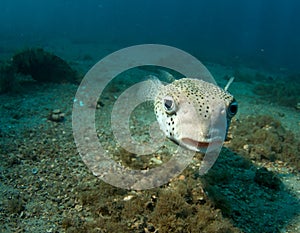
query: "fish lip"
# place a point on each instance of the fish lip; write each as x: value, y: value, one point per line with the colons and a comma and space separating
x: 200, y: 144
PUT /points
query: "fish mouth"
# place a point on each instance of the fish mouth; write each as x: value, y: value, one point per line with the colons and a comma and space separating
x: 198, y: 145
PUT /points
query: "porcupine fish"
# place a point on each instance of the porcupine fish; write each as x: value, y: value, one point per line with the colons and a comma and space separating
x: 187, y: 110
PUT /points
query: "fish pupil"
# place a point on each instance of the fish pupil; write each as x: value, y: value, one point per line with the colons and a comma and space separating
x: 168, y: 104
x: 233, y: 108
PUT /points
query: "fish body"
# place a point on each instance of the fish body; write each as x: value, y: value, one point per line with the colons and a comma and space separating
x: 190, y: 112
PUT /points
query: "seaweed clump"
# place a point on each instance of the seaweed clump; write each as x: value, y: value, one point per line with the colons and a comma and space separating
x: 283, y: 92
x: 262, y: 138
x: 186, y: 210
x: 43, y: 66
x: 34, y: 64
x: 184, y: 207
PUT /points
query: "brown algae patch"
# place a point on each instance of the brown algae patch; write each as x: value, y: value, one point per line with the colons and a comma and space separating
x: 179, y: 207
x: 263, y: 138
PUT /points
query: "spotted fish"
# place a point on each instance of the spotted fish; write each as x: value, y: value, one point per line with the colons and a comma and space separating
x: 189, y: 112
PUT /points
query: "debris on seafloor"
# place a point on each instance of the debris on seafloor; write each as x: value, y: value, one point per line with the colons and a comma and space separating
x: 56, y: 116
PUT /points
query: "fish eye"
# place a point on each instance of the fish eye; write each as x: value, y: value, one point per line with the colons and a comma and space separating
x: 169, y: 105
x: 232, y: 108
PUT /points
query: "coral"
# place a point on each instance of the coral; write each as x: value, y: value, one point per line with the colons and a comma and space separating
x: 43, y: 66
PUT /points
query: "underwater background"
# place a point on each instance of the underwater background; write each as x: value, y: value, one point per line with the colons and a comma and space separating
x: 264, y: 33
x: 46, y: 48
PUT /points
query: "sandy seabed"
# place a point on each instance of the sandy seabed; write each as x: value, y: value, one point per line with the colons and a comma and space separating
x: 45, y: 186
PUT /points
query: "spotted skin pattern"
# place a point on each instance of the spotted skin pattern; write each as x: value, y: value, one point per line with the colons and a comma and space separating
x: 187, y: 110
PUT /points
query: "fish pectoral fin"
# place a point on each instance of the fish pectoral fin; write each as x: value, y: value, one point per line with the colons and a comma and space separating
x: 228, y: 83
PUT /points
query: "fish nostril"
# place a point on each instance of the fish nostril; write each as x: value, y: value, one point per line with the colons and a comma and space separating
x: 205, y: 135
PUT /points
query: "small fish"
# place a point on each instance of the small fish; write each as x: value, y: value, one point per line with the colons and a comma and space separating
x: 188, y: 111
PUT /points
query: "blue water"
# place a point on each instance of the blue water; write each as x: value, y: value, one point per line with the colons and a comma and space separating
x: 259, y: 32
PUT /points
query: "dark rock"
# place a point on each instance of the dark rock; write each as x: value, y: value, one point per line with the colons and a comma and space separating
x: 7, y: 78
x: 43, y: 66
